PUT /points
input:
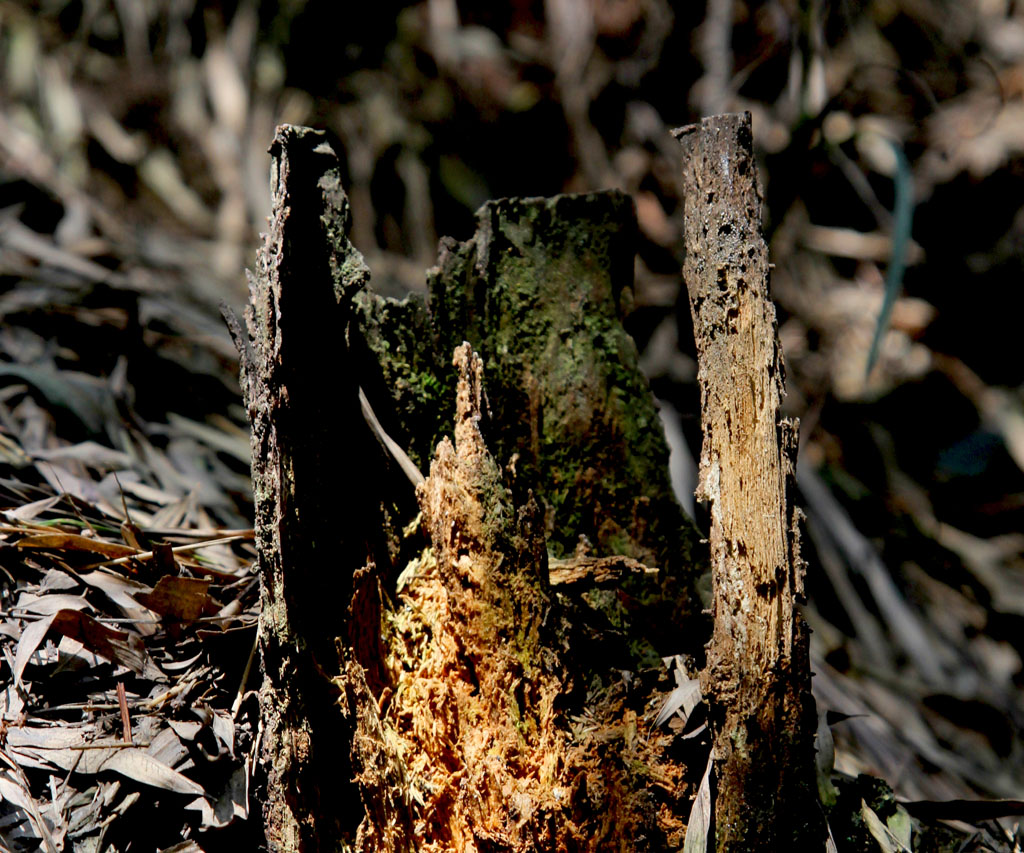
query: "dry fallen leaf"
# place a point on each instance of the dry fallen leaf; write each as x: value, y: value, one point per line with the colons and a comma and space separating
x: 699, y: 824
x: 142, y: 767
x: 116, y: 646
x: 179, y: 598
x: 58, y: 541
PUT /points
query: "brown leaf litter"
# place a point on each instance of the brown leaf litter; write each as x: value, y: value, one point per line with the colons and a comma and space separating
x: 127, y: 620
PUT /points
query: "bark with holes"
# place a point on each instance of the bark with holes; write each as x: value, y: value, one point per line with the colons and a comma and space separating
x: 757, y: 678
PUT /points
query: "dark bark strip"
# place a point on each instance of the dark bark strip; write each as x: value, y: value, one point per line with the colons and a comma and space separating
x: 757, y: 678
x: 315, y: 467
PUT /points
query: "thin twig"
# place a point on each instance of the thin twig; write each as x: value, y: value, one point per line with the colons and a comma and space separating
x: 122, y: 701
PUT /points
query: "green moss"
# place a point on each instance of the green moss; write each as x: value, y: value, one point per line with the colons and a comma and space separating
x: 537, y: 292
x: 639, y: 771
x: 410, y: 387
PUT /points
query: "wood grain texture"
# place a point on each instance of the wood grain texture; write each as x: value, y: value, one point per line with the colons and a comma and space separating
x: 757, y: 677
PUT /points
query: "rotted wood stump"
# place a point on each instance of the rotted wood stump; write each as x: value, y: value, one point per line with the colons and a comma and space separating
x: 427, y: 685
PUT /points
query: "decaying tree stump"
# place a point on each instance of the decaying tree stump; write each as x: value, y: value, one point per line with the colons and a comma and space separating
x: 757, y: 678
x: 443, y: 658
x: 427, y: 685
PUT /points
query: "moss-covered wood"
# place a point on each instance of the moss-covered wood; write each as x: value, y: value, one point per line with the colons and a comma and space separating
x: 538, y: 291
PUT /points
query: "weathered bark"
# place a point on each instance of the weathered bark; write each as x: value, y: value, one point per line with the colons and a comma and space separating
x: 460, y: 719
x: 316, y: 470
x: 757, y: 678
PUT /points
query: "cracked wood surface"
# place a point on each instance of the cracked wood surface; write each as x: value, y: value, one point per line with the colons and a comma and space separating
x: 757, y: 678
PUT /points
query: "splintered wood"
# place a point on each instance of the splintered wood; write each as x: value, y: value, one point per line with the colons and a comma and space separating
x: 476, y: 715
x: 299, y: 309
x: 757, y: 678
